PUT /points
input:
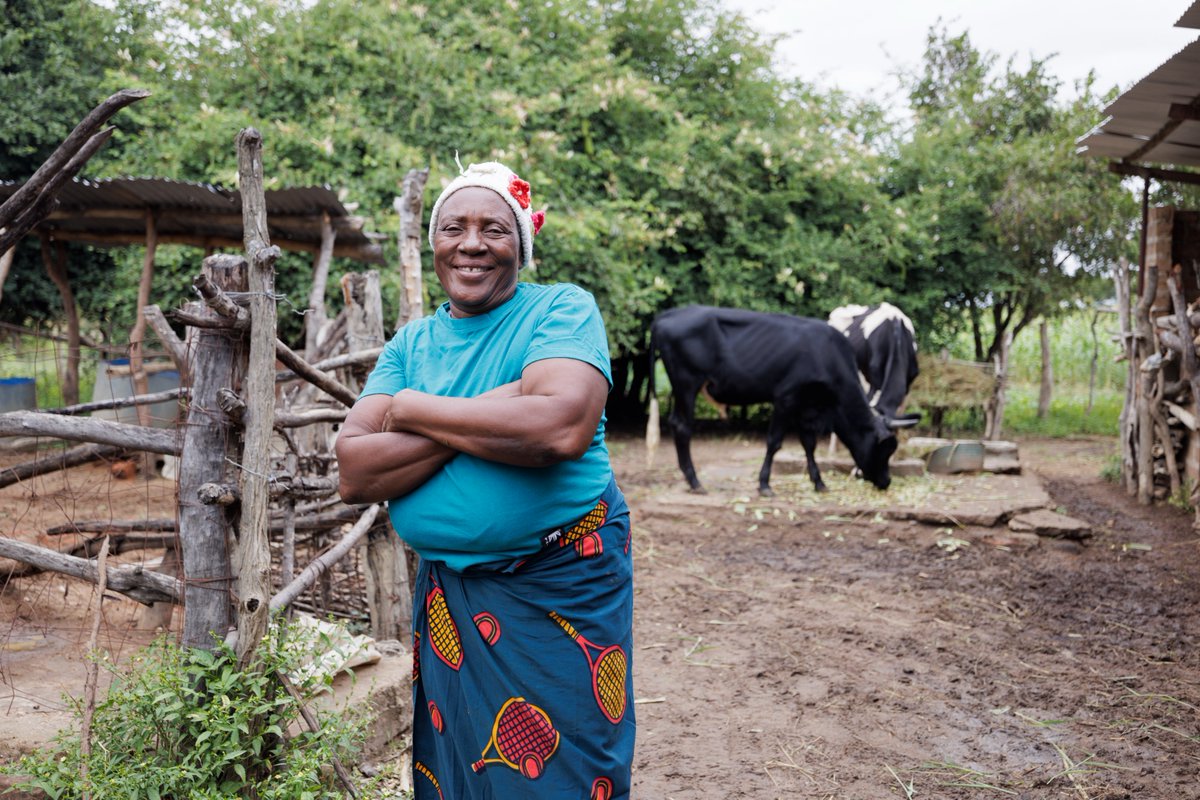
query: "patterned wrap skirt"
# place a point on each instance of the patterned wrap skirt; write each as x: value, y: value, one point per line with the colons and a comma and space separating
x: 522, y: 672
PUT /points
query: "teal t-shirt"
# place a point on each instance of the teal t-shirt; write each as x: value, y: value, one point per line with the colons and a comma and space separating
x: 474, y: 510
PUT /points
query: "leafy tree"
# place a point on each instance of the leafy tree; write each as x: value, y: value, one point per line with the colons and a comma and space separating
x: 1010, y: 222
x: 53, y: 55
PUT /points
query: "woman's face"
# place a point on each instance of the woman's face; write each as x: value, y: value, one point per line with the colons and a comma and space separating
x: 476, y: 250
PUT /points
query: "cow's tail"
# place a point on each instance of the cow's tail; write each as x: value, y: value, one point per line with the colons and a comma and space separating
x: 652, y: 422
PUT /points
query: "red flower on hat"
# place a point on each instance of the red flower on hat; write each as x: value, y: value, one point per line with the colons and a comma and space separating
x: 519, y: 189
x: 539, y: 219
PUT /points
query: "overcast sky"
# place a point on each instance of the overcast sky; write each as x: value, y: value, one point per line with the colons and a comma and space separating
x: 858, y: 45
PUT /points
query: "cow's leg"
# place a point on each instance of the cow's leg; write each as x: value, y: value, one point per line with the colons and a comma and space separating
x: 681, y: 420
x: 775, y: 433
x: 808, y: 438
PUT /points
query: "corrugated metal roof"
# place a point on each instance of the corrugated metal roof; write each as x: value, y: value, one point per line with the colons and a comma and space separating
x: 114, y: 212
x: 1190, y: 18
x: 1138, y: 126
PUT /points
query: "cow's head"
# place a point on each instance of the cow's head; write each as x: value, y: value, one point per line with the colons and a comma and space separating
x: 873, y: 460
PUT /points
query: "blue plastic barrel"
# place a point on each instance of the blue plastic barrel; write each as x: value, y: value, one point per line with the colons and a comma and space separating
x: 17, y: 394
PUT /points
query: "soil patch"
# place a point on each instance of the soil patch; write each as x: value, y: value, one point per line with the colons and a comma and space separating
x: 823, y: 646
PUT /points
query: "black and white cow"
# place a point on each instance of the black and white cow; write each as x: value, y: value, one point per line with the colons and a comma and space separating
x: 803, y: 366
x: 885, y: 350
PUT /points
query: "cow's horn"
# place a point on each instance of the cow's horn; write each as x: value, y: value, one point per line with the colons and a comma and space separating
x: 896, y: 424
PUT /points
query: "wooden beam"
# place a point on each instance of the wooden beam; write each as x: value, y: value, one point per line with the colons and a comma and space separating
x: 369, y: 253
x: 1184, y: 112
x: 1157, y: 173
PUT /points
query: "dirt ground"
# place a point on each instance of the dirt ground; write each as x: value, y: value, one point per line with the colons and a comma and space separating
x: 813, y: 646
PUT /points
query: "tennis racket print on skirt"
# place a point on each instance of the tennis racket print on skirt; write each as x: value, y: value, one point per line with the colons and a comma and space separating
x: 507, y: 704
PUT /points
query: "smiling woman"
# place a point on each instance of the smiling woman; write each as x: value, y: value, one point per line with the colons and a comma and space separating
x: 483, y: 428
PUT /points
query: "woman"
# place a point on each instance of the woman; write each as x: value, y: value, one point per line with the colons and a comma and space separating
x: 483, y: 428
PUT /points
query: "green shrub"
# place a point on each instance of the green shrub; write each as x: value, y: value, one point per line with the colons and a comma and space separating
x: 190, y: 725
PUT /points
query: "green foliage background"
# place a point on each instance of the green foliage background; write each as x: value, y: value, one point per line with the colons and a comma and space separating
x: 675, y: 163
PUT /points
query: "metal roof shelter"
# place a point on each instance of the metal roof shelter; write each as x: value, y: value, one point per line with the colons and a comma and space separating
x: 1157, y: 120
x: 118, y: 211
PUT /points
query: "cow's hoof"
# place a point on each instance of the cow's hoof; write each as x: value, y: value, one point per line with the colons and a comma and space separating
x: 698, y: 490
x: 821, y: 488
x: 766, y: 492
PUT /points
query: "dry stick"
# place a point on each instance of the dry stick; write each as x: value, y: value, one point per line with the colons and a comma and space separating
x: 99, y: 431
x: 132, y: 581
x: 46, y: 201
x: 120, y: 543
x: 93, y: 669
x: 321, y: 564
x: 1164, y: 434
x: 1189, y: 367
x: 174, y: 345
x: 70, y: 146
x: 118, y: 402
x: 315, y: 727
x: 334, y: 388
x: 66, y: 459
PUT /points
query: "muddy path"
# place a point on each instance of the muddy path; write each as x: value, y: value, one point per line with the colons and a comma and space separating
x: 801, y: 653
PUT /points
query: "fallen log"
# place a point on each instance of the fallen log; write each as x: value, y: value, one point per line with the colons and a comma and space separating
x: 98, y: 431
x: 83, y: 454
x: 134, y: 582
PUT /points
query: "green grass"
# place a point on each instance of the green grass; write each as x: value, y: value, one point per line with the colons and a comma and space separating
x: 28, y: 357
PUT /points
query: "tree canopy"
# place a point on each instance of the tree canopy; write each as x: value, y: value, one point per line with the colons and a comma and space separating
x: 675, y: 163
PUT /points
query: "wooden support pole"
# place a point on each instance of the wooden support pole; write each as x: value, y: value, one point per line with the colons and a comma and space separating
x: 1189, y: 370
x: 1146, y: 347
x: 252, y: 565
x: 56, y: 266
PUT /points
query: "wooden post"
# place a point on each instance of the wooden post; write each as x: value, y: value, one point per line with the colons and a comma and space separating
x: 253, y: 558
x: 1147, y: 345
x: 56, y: 267
x: 205, y: 532
x: 315, y: 320
x: 409, y: 206
x: 994, y: 412
x: 1047, y: 382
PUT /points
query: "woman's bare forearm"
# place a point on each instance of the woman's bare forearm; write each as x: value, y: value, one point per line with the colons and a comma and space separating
x: 379, y: 466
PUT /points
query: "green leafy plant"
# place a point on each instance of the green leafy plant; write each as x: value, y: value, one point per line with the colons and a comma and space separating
x: 191, y: 724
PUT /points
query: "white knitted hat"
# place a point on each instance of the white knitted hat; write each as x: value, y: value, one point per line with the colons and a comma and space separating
x: 504, y: 182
